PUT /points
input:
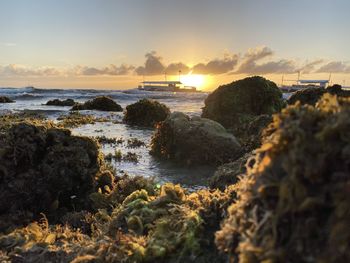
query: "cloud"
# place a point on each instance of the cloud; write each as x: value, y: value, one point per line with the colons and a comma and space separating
x: 20, y: 70
x: 153, y: 65
x: 109, y: 70
x: 253, y: 56
x: 334, y: 67
x: 309, y: 67
x: 217, y: 66
x: 174, y: 68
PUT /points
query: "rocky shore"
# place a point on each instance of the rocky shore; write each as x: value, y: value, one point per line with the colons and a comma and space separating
x: 280, y: 192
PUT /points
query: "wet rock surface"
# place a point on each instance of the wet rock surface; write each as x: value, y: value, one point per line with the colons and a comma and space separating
x: 102, y: 103
x: 146, y: 113
x: 194, y: 140
x: 294, y: 201
x: 58, y: 102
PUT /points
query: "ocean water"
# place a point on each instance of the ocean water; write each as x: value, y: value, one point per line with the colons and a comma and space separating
x: 33, y: 99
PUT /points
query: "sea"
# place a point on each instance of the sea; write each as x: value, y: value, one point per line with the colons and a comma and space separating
x: 34, y: 100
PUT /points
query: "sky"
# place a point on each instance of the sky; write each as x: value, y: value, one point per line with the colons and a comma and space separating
x: 118, y: 43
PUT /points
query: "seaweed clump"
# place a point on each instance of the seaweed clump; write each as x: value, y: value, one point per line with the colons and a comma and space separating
x: 293, y: 204
x: 102, y: 103
x: 141, y: 225
x: 75, y: 119
x: 237, y: 103
x: 4, y: 99
x: 44, y: 169
x: 146, y: 113
x: 58, y: 102
x: 194, y: 141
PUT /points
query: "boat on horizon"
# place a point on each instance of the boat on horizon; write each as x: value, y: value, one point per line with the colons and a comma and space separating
x: 166, y: 86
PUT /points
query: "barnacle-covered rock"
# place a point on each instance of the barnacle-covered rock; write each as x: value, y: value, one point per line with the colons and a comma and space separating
x: 146, y: 112
x: 58, y: 102
x: 4, y: 99
x: 194, y: 140
x: 101, y: 103
x: 45, y: 170
x: 293, y: 204
x: 236, y: 103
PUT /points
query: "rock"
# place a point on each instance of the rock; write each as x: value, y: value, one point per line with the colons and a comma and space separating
x: 194, y: 141
x: 102, y: 103
x: 294, y: 201
x: 45, y: 170
x: 228, y: 173
x: 311, y: 95
x: 238, y: 102
x: 146, y: 112
x: 57, y: 102
x: 4, y: 99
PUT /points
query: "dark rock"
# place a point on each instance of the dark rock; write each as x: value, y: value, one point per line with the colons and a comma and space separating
x: 238, y: 102
x: 146, y: 112
x: 194, y: 141
x: 57, y: 102
x: 45, y: 170
x: 4, y: 99
x: 311, y: 95
x: 228, y: 173
x: 102, y: 103
x: 294, y: 201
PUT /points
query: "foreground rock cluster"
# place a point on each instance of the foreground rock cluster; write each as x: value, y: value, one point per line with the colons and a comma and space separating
x: 287, y: 201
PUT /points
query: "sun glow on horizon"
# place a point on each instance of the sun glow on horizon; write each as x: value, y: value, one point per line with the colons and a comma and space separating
x: 193, y: 80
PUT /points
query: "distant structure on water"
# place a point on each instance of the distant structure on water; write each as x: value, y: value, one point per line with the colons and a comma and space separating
x: 169, y: 86
x: 304, y: 83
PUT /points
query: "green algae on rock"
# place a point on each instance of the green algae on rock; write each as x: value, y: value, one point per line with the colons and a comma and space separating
x: 75, y: 119
x: 58, y: 102
x: 311, y: 95
x: 165, y: 225
x: 236, y: 103
x: 146, y: 113
x: 293, y: 204
x: 101, y: 103
x: 194, y: 141
x: 4, y: 99
x: 44, y: 169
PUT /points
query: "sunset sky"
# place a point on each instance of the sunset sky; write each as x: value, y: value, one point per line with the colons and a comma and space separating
x: 117, y: 44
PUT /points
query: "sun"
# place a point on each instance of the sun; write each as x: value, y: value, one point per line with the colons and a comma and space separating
x: 194, y: 80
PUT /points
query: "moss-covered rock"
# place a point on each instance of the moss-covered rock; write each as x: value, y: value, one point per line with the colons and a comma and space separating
x: 236, y: 103
x: 194, y: 141
x: 293, y: 204
x: 102, y: 103
x: 58, y: 102
x: 146, y: 112
x: 4, y: 99
x: 311, y: 95
x: 44, y: 170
